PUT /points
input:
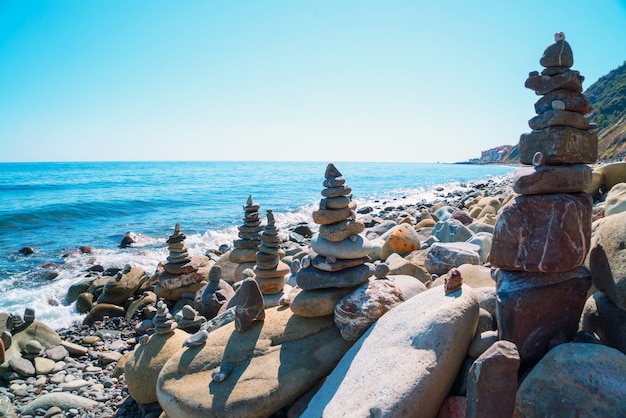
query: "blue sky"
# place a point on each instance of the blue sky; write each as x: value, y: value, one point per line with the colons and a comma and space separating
x: 86, y: 80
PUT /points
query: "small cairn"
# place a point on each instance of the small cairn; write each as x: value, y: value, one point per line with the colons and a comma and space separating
x: 340, y: 258
x: 542, y: 236
x: 249, y: 240
x: 164, y: 322
x: 179, y: 253
x: 270, y: 272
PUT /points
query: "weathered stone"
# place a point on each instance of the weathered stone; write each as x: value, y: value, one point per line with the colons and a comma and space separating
x: 569, y: 80
x: 542, y: 233
x: 585, y: 380
x: 425, y: 338
x: 244, y: 255
x: 559, y: 145
x: 330, y: 216
x: 76, y: 289
x: 481, y: 342
x: 492, y: 382
x: 43, y: 365
x: 333, y: 264
x: 311, y: 278
x: 399, y: 265
x: 408, y: 285
x: 169, y: 281
x: 212, y: 297
x: 603, y: 318
x: 552, y: 179
x: 63, y: 400
x: 320, y: 302
x: 453, y: 281
x: 250, y: 306
x: 190, y: 265
x: 526, y: 310
x: 358, y: 310
x: 271, y: 365
x: 123, y: 286
x: 462, y: 217
x: 615, y: 201
x: 354, y: 247
x: 401, y: 239
x: 101, y: 310
x: 442, y: 256
x: 340, y: 231
x: 474, y: 276
x: 612, y: 174
x: 335, y: 202
x: 558, y: 54
x: 559, y: 118
x: 22, y: 366
x: 332, y: 192
x: 574, y: 102
x: 146, y: 361
x: 84, y: 302
x: 606, y: 260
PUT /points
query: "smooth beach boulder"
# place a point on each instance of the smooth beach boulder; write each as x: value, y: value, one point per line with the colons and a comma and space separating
x: 401, y: 239
x: 585, y: 380
x: 123, y: 286
x: 405, y: 363
x: 451, y: 230
x: 63, y: 400
x: 441, y: 257
x: 602, y: 317
x: 256, y: 373
x: 356, y: 246
x: 615, y: 201
x: 612, y: 174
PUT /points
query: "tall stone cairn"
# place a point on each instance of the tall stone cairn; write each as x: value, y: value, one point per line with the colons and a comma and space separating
x: 270, y: 272
x: 543, y: 234
x: 340, y: 258
x: 247, y: 245
x: 179, y: 255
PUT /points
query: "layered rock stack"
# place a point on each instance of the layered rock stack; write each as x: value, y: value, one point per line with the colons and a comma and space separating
x: 542, y: 235
x: 270, y: 272
x: 181, y: 273
x: 340, y: 260
x: 249, y: 240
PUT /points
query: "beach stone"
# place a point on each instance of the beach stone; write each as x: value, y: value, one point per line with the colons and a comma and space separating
x: 569, y: 80
x: 441, y: 257
x: 22, y: 336
x: 527, y: 314
x: 572, y: 101
x: 43, y: 365
x: 273, y: 364
x: 426, y: 337
x: 552, y: 179
x: 615, y: 201
x: 408, y: 285
x: 146, y: 361
x: 488, y: 206
x: 210, y: 298
x: 320, y: 302
x: 173, y: 281
x: 99, y: 311
x: 65, y: 401
x: 401, y: 239
x: 333, y: 264
x: 607, y: 258
x: 559, y: 145
x: 602, y: 317
x: 481, y: 343
x: 559, y: 118
x: 330, y: 216
x: 563, y: 381
x: 543, y: 233
x: 612, y: 173
x: 250, y: 305
x: 84, y: 302
x: 492, y: 382
x: 76, y: 289
x: 22, y: 366
x: 462, y: 217
x: 341, y: 230
x: 311, y: 278
x: 358, y: 310
x: 444, y: 212
x: 243, y: 255
x: 177, y: 293
x: 484, y: 240
x: 453, y: 407
x: 75, y: 350
x: 474, y: 276
x: 332, y: 192
x: 355, y: 247
x: 399, y: 265
x: 558, y: 54
x: 381, y: 228
x: 123, y: 286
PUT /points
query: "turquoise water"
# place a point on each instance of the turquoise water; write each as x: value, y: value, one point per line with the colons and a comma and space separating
x: 56, y: 207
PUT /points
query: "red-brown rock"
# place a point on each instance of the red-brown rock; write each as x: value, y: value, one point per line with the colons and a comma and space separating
x: 559, y: 118
x: 492, y: 382
x: 574, y: 102
x: 542, y: 233
x: 542, y: 84
x: 534, y: 307
x: 552, y: 179
x: 559, y: 145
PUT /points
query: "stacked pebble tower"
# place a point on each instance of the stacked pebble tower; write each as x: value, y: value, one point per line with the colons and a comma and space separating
x: 249, y: 235
x: 543, y: 234
x: 270, y: 272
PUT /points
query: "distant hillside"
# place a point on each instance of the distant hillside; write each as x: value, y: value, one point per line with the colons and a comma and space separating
x: 608, y: 96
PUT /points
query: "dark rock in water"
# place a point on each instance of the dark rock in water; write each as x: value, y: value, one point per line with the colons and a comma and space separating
x: 250, y: 307
x: 127, y: 240
x: 26, y: 250
x: 111, y: 271
x: 85, y: 249
x: 97, y: 268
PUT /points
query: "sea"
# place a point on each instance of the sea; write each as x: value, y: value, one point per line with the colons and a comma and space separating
x: 57, y: 207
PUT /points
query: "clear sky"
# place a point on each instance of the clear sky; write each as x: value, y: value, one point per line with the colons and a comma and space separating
x: 416, y: 81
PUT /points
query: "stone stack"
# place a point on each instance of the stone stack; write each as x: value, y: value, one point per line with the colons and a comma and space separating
x: 249, y: 240
x: 341, y: 254
x: 179, y: 255
x: 543, y: 235
x: 270, y: 272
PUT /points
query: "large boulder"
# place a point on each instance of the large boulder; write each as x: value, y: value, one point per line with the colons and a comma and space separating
x: 123, y: 286
x: 585, y: 380
x: 442, y: 256
x: 260, y: 371
x: 406, y: 362
x: 607, y: 257
x: 602, y: 317
x: 402, y: 239
x: 615, y: 201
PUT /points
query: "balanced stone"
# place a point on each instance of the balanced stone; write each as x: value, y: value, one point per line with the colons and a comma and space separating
x: 335, y: 202
x: 333, y: 264
x: 559, y: 118
x: 552, y: 179
x: 569, y: 80
x: 250, y: 307
x: 356, y: 246
x: 341, y: 230
x: 573, y: 101
x: 163, y: 321
x: 559, y: 145
x: 311, y: 278
x: 178, y: 258
x: 330, y: 216
x: 543, y: 233
x: 249, y: 234
x: 558, y: 54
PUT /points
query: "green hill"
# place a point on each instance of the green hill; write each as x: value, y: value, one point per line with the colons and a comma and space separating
x: 608, y: 97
